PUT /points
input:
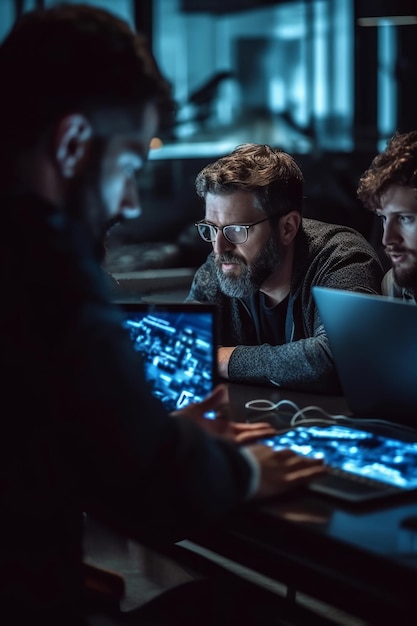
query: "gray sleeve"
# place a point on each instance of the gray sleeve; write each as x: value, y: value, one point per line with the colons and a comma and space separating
x: 306, y: 364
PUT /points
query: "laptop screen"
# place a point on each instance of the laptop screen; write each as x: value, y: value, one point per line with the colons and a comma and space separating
x: 178, y: 343
x: 373, y: 340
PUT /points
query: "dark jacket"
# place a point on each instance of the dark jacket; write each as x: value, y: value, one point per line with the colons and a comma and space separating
x: 325, y: 254
x: 80, y: 430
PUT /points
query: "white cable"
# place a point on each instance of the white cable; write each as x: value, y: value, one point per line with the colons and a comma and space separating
x: 327, y: 416
x: 263, y: 404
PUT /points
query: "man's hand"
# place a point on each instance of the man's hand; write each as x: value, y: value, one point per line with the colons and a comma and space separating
x: 282, y: 470
x: 212, y: 415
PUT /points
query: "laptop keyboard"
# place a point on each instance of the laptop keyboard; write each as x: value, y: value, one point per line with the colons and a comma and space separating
x: 350, y: 487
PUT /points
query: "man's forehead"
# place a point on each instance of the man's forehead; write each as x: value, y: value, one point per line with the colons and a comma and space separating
x: 399, y: 197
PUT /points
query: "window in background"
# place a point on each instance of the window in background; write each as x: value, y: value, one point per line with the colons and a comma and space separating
x: 387, y: 55
x: 11, y: 9
x: 280, y: 74
x: 385, y: 70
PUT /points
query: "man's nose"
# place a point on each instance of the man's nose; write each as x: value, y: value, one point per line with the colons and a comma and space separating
x: 220, y: 244
x: 390, y: 233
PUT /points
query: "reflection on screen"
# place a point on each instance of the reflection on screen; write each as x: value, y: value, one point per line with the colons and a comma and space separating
x: 362, y: 453
x: 177, y: 351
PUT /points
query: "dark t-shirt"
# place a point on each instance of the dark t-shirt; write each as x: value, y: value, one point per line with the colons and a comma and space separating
x: 269, y: 320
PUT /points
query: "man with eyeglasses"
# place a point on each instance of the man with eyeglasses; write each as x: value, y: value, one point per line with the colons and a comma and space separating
x: 264, y: 260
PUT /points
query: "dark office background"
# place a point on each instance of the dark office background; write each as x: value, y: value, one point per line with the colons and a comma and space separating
x: 327, y: 80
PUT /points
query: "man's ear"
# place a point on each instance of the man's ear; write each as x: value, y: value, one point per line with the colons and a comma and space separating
x: 288, y: 227
x: 71, y: 138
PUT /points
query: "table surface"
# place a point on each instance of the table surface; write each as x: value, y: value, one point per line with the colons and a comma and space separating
x: 359, y: 559
x: 319, y: 545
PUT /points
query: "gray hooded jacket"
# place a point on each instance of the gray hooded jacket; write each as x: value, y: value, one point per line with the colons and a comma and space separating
x: 325, y: 254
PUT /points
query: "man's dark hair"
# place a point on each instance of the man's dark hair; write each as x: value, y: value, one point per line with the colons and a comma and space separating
x: 396, y: 165
x: 270, y: 174
x: 73, y: 58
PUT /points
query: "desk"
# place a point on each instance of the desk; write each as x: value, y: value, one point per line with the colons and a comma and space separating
x: 361, y: 561
x: 240, y: 394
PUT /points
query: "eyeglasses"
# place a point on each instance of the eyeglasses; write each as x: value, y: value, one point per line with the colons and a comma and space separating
x: 233, y: 233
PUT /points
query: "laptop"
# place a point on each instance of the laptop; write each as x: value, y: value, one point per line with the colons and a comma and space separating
x: 374, y: 344
x: 373, y: 340
x: 363, y: 466
x: 178, y: 343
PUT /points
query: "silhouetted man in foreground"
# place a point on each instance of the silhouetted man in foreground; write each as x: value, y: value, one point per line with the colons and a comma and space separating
x: 82, y: 99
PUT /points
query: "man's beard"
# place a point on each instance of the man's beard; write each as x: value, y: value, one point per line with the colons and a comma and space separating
x: 84, y: 202
x: 406, y: 277
x: 251, y: 276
